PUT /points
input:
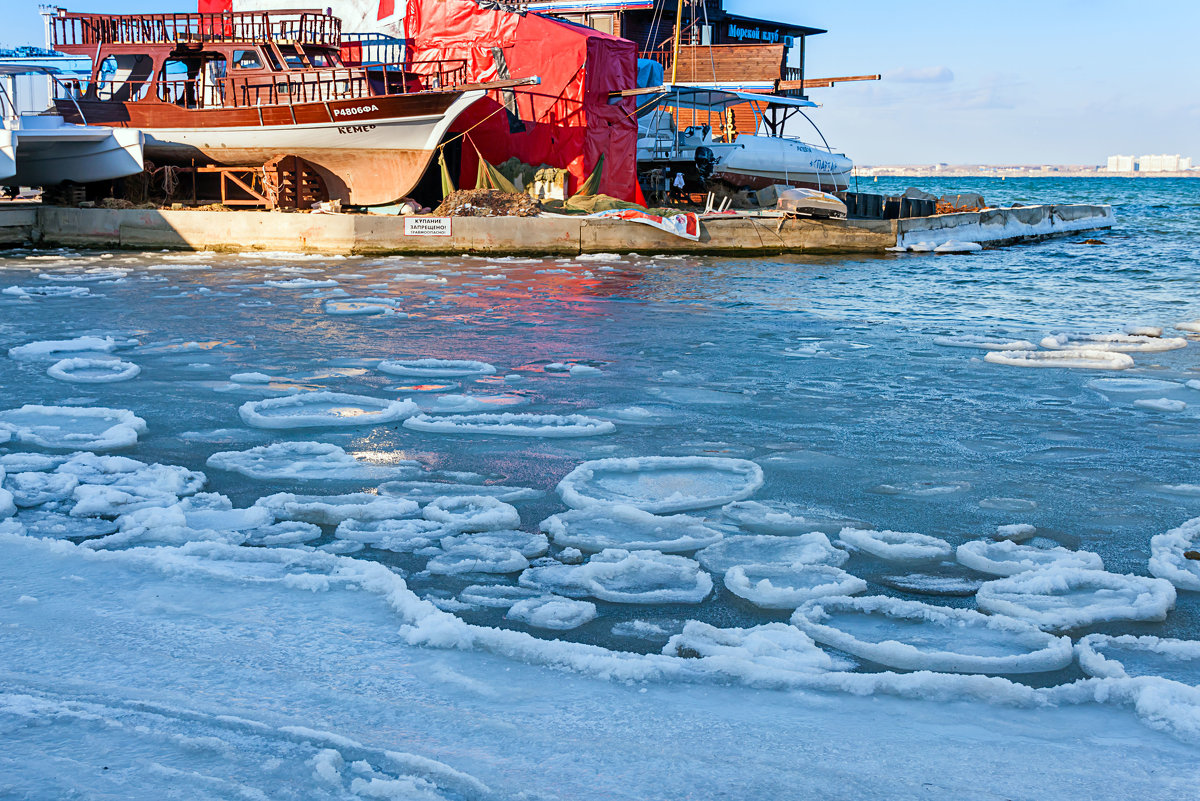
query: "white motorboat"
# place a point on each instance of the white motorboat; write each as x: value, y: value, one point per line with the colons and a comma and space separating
x: 749, y: 161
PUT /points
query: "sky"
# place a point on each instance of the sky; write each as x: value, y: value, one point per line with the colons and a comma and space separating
x: 1019, y: 82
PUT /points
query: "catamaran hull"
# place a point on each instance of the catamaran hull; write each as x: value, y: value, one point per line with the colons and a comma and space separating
x: 369, y: 152
x: 54, y: 155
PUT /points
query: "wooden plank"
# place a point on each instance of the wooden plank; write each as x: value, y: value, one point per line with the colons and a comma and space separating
x: 823, y: 83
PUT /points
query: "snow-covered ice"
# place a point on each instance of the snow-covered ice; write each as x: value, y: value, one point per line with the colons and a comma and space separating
x: 789, y: 586
x: 661, y: 483
x: 321, y: 409
x: 95, y: 428
x: 466, y: 513
x: 1175, y: 555
x: 307, y: 461
x: 1007, y: 558
x: 1126, y: 656
x: 911, y: 635
x: 983, y: 342
x: 896, y: 545
x: 511, y: 424
x: 552, y: 612
x: 627, y: 577
x: 53, y: 348
x: 1083, y: 358
x: 402, y: 535
x: 93, y: 371
x: 597, y: 528
x: 1064, y: 598
x: 437, y: 368
x: 752, y: 654
x: 330, y: 510
x: 1119, y: 343
x: 813, y: 548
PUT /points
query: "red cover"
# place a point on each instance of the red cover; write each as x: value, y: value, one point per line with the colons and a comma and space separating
x: 567, y: 118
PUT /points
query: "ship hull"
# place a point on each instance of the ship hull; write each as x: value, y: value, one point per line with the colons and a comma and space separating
x: 369, y: 152
x: 756, y: 162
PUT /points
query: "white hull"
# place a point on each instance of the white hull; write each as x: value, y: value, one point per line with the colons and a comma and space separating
x: 760, y: 161
x: 44, y: 151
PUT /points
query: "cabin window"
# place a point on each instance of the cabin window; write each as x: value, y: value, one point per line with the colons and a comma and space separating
x: 246, y: 60
x: 125, y: 77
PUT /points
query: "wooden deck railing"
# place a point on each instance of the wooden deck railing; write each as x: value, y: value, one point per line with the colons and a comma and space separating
x: 92, y: 30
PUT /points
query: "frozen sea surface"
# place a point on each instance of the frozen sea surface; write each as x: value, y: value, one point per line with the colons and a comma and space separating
x: 288, y: 666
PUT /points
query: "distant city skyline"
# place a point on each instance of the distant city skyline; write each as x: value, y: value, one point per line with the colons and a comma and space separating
x: 1041, y: 83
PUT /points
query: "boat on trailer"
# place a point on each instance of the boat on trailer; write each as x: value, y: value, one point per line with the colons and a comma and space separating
x: 738, y: 161
x: 243, y: 89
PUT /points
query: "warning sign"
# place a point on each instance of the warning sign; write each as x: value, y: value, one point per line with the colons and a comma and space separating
x: 427, y: 226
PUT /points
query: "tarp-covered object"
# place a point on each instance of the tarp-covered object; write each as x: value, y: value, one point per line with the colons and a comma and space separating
x: 566, y: 121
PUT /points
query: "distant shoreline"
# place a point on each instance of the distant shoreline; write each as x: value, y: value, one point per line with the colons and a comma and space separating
x: 1010, y: 172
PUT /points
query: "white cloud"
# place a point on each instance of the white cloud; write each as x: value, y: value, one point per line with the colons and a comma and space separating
x: 920, y: 75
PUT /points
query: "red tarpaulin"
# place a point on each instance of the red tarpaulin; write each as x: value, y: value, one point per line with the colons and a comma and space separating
x: 567, y: 120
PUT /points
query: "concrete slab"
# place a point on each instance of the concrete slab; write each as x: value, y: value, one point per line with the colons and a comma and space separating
x: 542, y: 236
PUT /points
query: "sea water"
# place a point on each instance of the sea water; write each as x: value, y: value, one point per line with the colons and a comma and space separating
x: 837, y: 376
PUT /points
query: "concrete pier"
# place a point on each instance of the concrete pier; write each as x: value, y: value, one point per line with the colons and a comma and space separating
x: 51, y: 226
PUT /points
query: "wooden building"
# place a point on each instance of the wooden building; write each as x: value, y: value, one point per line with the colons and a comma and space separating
x: 717, y: 47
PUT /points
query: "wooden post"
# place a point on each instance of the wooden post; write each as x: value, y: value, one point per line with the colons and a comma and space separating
x: 678, y: 26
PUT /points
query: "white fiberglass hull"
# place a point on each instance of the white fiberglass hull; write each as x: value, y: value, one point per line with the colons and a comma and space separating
x: 51, y: 153
x: 760, y: 161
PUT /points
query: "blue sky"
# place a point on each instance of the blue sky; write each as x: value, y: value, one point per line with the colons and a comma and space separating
x: 1024, y: 81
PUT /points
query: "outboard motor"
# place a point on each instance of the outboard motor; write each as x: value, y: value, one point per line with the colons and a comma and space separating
x: 706, y: 162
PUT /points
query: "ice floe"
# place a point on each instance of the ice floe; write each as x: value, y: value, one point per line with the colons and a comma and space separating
x: 1160, y: 404
x: 1126, y: 656
x: 1088, y: 359
x: 1175, y: 555
x: 36, y: 488
x: 496, y: 596
x: 477, y: 558
x: 466, y: 513
x: 752, y: 653
x: 84, y: 276
x: 26, y: 292
x: 1191, y: 326
x: 422, y: 491
x: 782, y: 519
x: 301, y: 283
x: 93, y: 371
x: 552, y: 612
x: 935, y: 584
x: 1120, y: 343
x: 955, y: 246
x: 531, y: 545
x: 1007, y: 558
x: 52, y: 525
x: 512, y: 424
x: 94, y: 428
x: 789, y: 586
x: 51, y: 348
x: 1015, y: 532
x: 446, y: 404
x: 813, y: 548
x: 629, y: 577
x: 896, y: 545
x: 401, y: 535
x: 1058, y: 599
x: 597, y: 528
x: 362, y: 307
x: 983, y: 342
x: 330, y: 510
x: 307, y: 461
x: 440, y: 368
x: 288, y: 532
x: 661, y: 483
x: 1133, y: 385
x: 911, y: 635
x: 315, y: 409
